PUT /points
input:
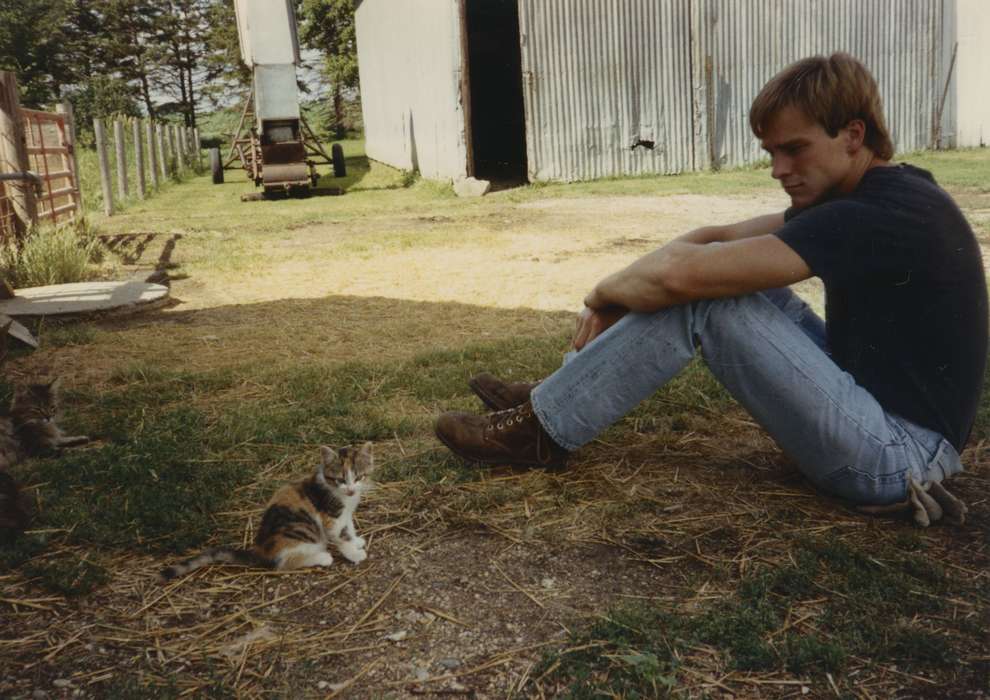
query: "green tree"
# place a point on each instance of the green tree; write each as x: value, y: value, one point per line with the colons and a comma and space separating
x: 229, y: 75
x: 328, y: 25
x: 33, y: 39
x: 127, y: 47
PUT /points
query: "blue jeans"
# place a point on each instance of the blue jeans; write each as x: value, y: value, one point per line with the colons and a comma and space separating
x: 768, y: 350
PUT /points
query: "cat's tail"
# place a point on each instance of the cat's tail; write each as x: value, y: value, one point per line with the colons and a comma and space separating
x: 217, y: 555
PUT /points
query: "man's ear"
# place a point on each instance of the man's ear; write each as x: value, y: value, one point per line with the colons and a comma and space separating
x: 855, y: 132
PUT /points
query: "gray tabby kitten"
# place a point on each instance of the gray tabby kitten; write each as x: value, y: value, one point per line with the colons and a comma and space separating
x: 28, y: 429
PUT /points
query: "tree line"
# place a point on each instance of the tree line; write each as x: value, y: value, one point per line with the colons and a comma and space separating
x: 167, y: 59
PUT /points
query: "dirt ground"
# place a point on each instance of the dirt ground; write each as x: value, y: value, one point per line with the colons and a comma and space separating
x: 447, y: 605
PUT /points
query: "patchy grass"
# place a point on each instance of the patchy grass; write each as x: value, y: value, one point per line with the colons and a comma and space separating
x: 776, y: 620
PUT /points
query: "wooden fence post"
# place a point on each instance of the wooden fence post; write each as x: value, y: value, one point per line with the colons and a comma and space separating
x: 180, y: 138
x: 199, y: 148
x: 149, y: 130
x: 101, y: 152
x: 162, y: 157
x: 173, y: 161
x: 120, y: 146
x: 139, y: 157
x: 14, y: 156
x: 72, y: 161
x: 177, y: 145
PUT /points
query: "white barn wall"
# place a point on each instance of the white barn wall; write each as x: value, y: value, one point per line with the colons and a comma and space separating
x: 409, y: 58
x: 972, y: 75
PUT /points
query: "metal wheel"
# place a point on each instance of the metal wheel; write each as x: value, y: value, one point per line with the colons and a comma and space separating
x: 216, y: 166
x: 337, y: 154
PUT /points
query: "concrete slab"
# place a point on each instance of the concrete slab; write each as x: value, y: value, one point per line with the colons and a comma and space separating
x: 470, y: 187
x: 84, y: 298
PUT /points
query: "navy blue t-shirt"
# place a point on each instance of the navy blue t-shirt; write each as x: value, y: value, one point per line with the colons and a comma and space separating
x: 905, y: 295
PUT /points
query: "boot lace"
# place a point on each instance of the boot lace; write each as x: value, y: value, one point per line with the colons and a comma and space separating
x: 506, y: 418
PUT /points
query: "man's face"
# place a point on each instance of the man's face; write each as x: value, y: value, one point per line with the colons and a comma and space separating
x: 811, y: 165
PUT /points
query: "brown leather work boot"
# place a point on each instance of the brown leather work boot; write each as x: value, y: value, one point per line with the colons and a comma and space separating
x: 512, y: 436
x: 499, y: 395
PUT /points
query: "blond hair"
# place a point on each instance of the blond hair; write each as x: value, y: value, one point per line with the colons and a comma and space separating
x: 832, y: 92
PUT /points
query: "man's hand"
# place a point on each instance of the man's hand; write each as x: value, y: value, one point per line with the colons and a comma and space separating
x: 593, y: 322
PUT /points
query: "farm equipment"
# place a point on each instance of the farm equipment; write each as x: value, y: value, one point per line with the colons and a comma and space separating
x: 273, y: 143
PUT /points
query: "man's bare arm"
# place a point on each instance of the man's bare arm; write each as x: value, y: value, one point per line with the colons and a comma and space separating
x: 758, y: 226
x: 595, y: 319
x: 682, y: 271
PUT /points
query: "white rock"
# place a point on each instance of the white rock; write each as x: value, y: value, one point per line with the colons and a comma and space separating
x: 470, y: 187
x: 422, y: 674
x: 548, y: 582
x: 322, y: 685
x: 61, y: 683
x: 397, y: 636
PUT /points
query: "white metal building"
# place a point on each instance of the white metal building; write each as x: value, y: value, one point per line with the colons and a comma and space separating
x: 583, y: 89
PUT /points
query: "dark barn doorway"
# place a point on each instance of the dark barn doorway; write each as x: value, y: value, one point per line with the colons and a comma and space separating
x: 497, y: 124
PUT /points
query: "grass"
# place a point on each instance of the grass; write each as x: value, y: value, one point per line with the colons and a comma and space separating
x: 53, y: 254
x: 200, y: 415
x: 876, y: 611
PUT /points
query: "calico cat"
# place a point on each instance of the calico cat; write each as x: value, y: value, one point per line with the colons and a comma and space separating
x: 302, y: 519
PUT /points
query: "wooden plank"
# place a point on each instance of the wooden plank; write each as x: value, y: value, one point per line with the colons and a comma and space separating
x: 47, y: 150
x: 16, y: 330
x: 13, y: 157
x: 38, y: 115
x: 57, y: 174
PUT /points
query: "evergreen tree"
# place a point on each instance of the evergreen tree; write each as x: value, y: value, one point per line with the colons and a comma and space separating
x: 33, y: 37
x: 328, y: 25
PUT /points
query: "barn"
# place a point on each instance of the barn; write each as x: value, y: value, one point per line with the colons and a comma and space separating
x: 564, y: 90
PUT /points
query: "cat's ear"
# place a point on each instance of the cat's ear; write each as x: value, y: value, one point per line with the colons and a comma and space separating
x: 327, y: 459
x: 328, y: 456
x: 364, y: 462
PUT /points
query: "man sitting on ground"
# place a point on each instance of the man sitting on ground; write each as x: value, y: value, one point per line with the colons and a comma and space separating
x: 875, y: 404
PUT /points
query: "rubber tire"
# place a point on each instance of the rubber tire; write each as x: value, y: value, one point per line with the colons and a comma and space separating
x: 339, y: 167
x: 216, y: 166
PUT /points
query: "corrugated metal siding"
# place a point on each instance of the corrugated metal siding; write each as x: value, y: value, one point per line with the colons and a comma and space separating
x: 747, y: 41
x: 599, y: 74
x: 409, y: 58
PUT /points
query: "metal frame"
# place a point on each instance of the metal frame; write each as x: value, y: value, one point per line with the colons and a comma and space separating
x: 245, y: 146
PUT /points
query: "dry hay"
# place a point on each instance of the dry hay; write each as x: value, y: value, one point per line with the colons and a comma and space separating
x: 468, y: 583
